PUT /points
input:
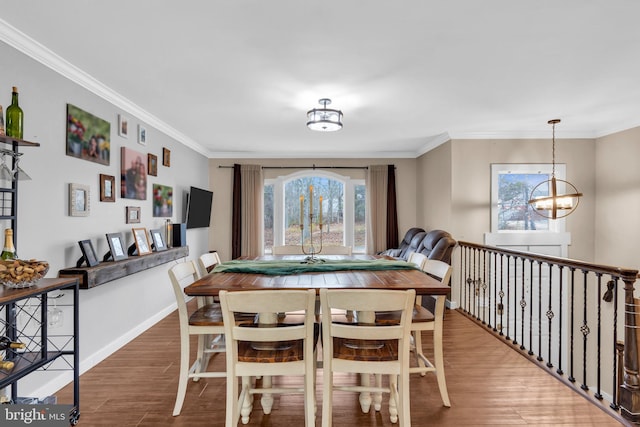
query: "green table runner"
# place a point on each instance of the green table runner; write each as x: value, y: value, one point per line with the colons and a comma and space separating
x: 284, y: 267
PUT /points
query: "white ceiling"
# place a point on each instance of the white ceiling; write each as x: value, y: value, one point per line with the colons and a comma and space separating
x: 235, y: 78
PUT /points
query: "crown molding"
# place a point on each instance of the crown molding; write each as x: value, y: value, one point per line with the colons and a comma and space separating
x: 525, y: 134
x: 311, y: 155
x: 35, y: 50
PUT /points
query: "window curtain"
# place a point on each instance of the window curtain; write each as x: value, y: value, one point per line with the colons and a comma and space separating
x: 382, y: 216
x: 247, y: 211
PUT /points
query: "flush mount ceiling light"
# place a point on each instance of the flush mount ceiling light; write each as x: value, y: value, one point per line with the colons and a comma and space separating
x: 324, y: 119
x: 554, y: 205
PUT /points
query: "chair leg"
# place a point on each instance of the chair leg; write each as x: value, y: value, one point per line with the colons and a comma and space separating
x: 377, y: 396
x: 233, y: 412
x: 439, y: 365
x: 198, y: 365
x: 404, y: 401
x: 394, y: 399
x: 183, y: 375
x: 327, y: 396
x: 246, y: 400
x: 365, y: 396
x: 417, y: 340
x: 266, y: 401
x: 310, y: 398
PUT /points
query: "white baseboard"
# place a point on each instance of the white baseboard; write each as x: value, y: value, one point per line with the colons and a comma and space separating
x: 65, y: 377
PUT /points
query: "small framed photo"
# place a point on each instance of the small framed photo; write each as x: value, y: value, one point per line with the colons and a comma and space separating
x: 141, y: 240
x: 78, y: 200
x: 116, y: 246
x: 142, y: 135
x: 107, y: 188
x: 166, y: 157
x: 158, y: 240
x: 133, y: 214
x: 88, y: 253
x: 152, y: 162
x: 123, y: 126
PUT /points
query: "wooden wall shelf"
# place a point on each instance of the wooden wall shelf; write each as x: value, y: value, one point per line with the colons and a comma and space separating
x: 90, y: 277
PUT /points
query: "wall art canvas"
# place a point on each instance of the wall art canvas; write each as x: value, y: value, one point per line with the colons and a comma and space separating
x: 162, y: 200
x: 133, y: 174
x: 88, y: 136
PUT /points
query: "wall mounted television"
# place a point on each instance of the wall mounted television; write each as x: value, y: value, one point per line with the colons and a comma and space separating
x: 199, y: 204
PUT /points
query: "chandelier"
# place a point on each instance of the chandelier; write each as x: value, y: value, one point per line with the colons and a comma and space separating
x: 324, y: 119
x: 554, y: 205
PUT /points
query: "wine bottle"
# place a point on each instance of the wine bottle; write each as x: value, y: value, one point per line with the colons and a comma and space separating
x: 1, y: 126
x: 6, y: 365
x: 8, y: 251
x: 6, y: 342
x: 14, y: 116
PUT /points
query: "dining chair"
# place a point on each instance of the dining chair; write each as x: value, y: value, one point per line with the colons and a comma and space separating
x: 269, y: 349
x: 417, y: 259
x: 367, y: 347
x: 424, y: 320
x: 286, y: 250
x: 206, y: 321
x: 336, y: 250
x: 207, y: 261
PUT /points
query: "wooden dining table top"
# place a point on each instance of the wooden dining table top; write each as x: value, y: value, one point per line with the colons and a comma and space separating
x: 212, y: 283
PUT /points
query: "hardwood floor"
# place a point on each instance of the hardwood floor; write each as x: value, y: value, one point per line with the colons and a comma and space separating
x: 489, y: 385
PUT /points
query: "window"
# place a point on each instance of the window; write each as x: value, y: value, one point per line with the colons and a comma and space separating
x: 511, y: 187
x: 343, y: 210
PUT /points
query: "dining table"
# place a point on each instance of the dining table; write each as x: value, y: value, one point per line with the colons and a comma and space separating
x: 366, y: 272
x: 327, y: 271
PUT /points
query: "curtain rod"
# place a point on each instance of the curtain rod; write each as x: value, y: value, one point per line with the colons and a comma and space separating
x: 303, y: 167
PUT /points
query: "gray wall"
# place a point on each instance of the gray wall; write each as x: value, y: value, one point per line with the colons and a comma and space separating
x: 115, y: 312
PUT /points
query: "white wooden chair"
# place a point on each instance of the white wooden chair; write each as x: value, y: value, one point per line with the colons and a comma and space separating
x: 418, y: 259
x: 272, y: 349
x: 287, y: 250
x: 336, y: 250
x: 367, y: 347
x: 207, y: 261
x: 424, y: 320
x: 205, y: 322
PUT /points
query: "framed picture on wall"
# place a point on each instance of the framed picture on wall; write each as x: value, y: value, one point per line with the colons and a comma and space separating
x: 152, y: 160
x: 123, y: 126
x: 107, y: 188
x: 78, y: 200
x: 166, y: 157
x: 142, y: 135
x: 132, y: 214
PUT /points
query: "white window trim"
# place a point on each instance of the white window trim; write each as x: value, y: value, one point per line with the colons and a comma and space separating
x: 278, y: 201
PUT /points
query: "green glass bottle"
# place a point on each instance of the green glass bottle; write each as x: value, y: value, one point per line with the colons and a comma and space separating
x: 15, y: 117
x: 9, y: 251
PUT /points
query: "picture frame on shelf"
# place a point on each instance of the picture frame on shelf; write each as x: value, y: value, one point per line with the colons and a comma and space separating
x: 141, y: 240
x: 166, y: 157
x: 133, y: 214
x: 152, y: 161
x: 142, y: 135
x: 117, y: 246
x: 107, y: 188
x: 88, y: 254
x: 157, y: 237
x: 123, y: 126
x: 78, y: 200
